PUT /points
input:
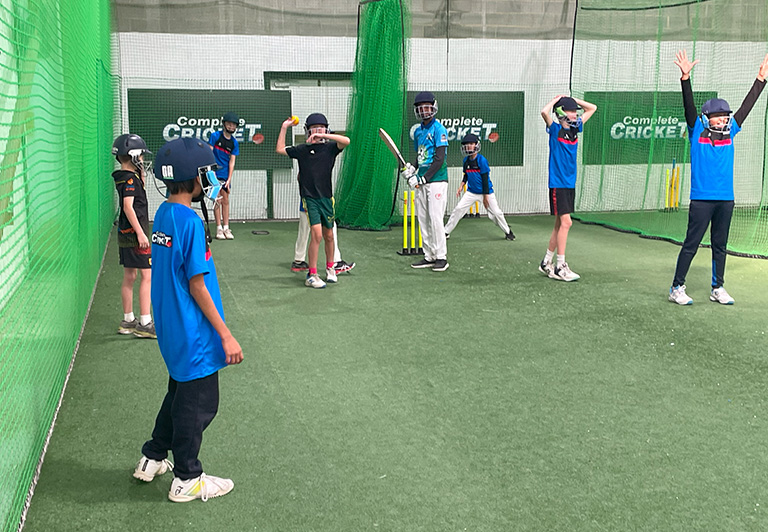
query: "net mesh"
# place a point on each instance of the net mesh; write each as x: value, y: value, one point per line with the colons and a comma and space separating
x: 56, y: 209
x: 634, y: 171
x: 366, y: 188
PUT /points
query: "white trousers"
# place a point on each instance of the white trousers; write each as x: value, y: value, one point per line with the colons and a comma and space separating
x: 302, y: 239
x: 431, y: 200
x: 466, y: 201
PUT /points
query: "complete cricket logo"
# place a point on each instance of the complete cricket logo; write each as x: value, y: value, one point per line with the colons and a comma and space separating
x: 458, y: 128
x: 202, y: 128
x: 646, y: 128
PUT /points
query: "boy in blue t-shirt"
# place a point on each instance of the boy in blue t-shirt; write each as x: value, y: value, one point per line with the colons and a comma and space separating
x: 225, y: 149
x: 430, y: 178
x: 563, y: 147
x: 711, y: 136
x: 479, y: 188
x: 189, y: 321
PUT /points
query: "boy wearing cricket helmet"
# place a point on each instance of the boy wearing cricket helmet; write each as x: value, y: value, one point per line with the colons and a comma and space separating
x: 711, y: 136
x: 316, y: 161
x: 132, y: 229
x: 194, y: 340
x: 430, y: 177
x: 571, y: 115
x: 225, y: 149
x: 479, y: 188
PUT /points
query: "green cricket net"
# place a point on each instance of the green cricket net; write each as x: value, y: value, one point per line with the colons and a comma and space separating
x: 56, y: 209
x: 365, y: 189
x: 634, y: 171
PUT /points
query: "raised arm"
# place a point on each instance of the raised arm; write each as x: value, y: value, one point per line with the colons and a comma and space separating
x: 546, y: 113
x: 589, y: 109
x: 681, y: 60
x: 753, y: 94
x: 281, y: 137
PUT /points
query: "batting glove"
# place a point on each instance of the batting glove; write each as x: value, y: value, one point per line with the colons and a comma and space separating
x: 415, y: 180
x: 408, y: 171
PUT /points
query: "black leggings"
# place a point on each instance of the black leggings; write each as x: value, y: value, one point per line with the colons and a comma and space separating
x: 700, y: 214
x: 188, y: 408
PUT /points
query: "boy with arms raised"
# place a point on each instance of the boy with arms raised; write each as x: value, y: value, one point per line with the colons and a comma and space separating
x: 193, y: 338
x: 316, y: 160
x: 563, y: 147
x: 711, y: 136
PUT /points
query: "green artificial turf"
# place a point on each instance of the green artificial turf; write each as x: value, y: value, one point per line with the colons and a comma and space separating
x: 484, y: 398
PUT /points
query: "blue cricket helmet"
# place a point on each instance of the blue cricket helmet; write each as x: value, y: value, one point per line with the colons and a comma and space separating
x: 715, y: 106
x: 181, y: 159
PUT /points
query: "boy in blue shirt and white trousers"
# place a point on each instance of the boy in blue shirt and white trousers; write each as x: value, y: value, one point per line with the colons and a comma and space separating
x: 711, y: 136
x: 479, y: 188
x: 563, y: 147
x: 189, y: 321
x: 429, y: 176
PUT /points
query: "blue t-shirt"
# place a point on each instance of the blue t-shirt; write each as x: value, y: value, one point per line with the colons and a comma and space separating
x: 474, y: 170
x: 563, y: 146
x: 427, y: 139
x: 223, y: 150
x: 711, y: 162
x: 190, y: 345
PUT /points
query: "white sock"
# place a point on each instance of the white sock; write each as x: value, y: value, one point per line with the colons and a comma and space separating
x: 129, y: 316
x: 145, y: 319
x: 560, y: 260
x: 548, y: 256
x: 219, y: 228
x: 226, y: 227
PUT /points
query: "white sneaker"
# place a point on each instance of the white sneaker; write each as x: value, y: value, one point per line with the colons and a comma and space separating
x: 228, y: 234
x: 314, y: 281
x: 220, y: 234
x: 678, y: 295
x: 203, y: 487
x: 548, y: 269
x: 564, y: 273
x: 719, y: 295
x: 147, y: 469
x: 330, y: 275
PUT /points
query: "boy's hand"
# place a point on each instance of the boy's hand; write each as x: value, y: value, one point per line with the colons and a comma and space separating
x: 458, y: 192
x: 143, y: 240
x: 232, y: 350
x: 288, y: 123
x: 763, y: 72
x: 681, y: 60
x: 486, y: 203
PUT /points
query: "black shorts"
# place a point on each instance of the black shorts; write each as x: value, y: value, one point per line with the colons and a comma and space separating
x: 561, y: 200
x: 223, y: 183
x: 136, y: 257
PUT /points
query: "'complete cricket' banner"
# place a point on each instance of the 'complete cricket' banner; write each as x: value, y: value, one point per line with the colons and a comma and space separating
x: 638, y: 127
x: 497, y: 119
x: 160, y: 115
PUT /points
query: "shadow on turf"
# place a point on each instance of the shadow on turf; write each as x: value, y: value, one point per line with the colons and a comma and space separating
x: 100, y: 484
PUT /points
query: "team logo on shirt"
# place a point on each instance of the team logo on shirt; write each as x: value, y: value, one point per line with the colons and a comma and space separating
x: 161, y: 239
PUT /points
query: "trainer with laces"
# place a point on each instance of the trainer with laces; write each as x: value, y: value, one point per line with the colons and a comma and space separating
x: 316, y: 159
x: 712, y: 135
x: 570, y: 114
x: 194, y: 340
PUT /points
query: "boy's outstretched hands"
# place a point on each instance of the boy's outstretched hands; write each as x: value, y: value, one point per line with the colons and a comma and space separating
x: 763, y: 72
x: 681, y: 60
